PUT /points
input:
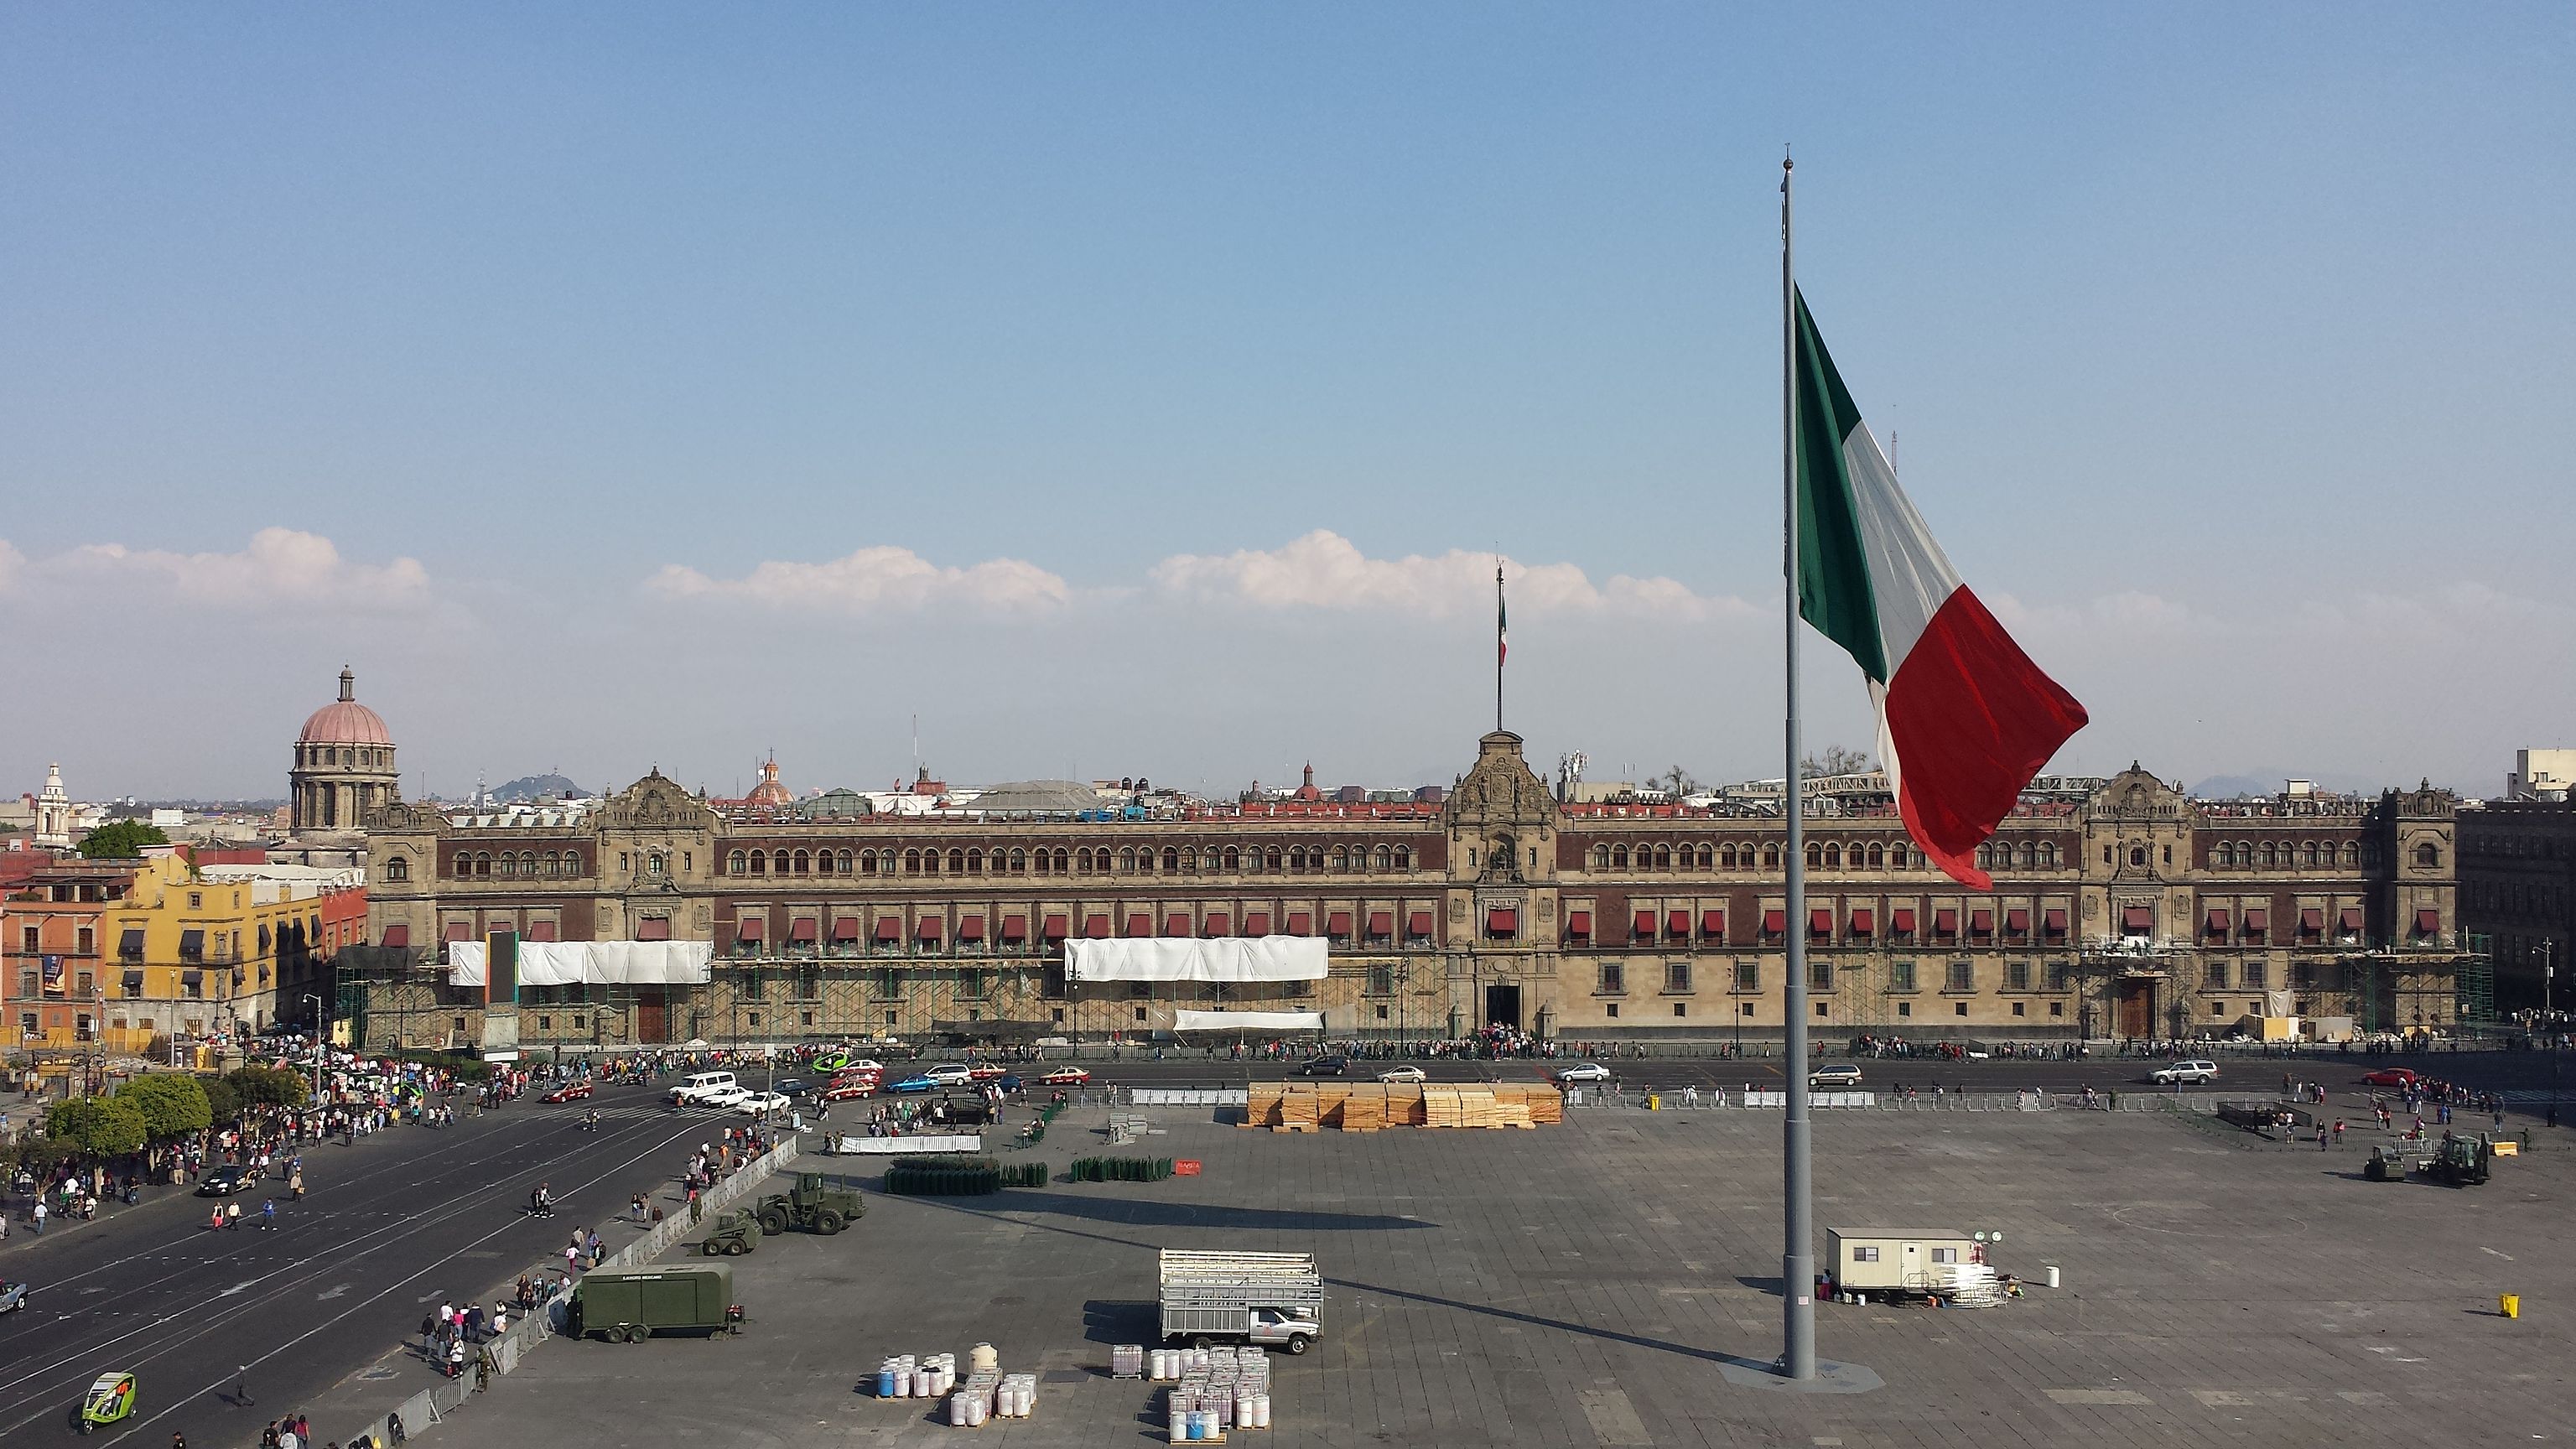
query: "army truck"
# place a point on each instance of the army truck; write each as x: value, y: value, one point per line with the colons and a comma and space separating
x: 734, y: 1234
x: 634, y: 1305
x: 816, y: 1203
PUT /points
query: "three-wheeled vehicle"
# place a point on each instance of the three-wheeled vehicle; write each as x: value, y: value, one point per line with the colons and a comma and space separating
x: 110, y: 1399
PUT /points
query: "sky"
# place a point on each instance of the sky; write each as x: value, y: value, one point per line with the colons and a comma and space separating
x: 1150, y: 388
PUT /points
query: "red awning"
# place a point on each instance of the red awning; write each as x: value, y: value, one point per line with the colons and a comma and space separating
x: 1300, y: 923
x: 927, y: 928
x: 1176, y: 925
x: 1219, y: 923
x: 1945, y: 922
x: 1256, y: 923
x: 1677, y: 925
x: 800, y: 932
x: 1096, y: 927
x: 1712, y: 924
x: 1420, y: 925
x: 1338, y: 924
x: 459, y: 931
x: 2017, y: 920
x: 1863, y: 920
x: 1055, y: 928
x: 2255, y: 920
x: 889, y: 929
x: 970, y: 928
x: 1503, y: 921
x: 2428, y: 921
x: 1015, y: 928
x: 541, y: 930
x: 1980, y: 922
x: 653, y: 928
x: 2217, y: 923
x: 749, y: 929
x: 1381, y: 923
x: 2137, y: 918
x: 1774, y: 922
x: 845, y: 928
x: 1820, y: 921
x: 2352, y: 918
x: 2053, y: 921
x: 1139, y: 924
x: 2312, y: 921
x: 1900, y: 919
x: 398, y: 937
x: 1578, y: 923
x: 1644, y: 927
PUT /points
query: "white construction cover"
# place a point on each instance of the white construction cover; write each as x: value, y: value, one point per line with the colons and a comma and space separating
x: 1225, y: 958
x: 1247, y: 1021
x: 591, y: 963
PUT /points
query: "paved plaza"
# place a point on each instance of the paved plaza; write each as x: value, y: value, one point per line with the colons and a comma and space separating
x: 1584, y: 1284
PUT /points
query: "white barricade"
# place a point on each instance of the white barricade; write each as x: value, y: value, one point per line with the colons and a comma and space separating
x: 1190, y: 1097
x: 905, y: 1146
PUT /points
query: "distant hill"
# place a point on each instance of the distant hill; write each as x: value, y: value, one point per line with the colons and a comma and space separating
x: 529, y: 787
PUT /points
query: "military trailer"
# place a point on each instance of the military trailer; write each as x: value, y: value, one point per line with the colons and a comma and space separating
x: 634, y: 1305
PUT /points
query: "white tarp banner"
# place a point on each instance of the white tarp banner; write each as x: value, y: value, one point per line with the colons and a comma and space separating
x: 591, y: 963
x: 1247, y: 1021
x: 1225, y: 958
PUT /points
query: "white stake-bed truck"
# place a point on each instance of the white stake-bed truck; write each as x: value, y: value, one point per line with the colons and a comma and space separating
x: 1265, y: 1298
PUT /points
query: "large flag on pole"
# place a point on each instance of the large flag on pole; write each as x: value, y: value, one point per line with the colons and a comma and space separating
x: 1965, y: 719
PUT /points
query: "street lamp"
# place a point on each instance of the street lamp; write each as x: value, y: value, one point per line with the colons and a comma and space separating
x: 2548, y: 975
x: 317, y: 1044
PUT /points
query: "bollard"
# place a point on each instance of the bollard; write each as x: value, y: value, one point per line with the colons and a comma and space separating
x: 2509, y: 1304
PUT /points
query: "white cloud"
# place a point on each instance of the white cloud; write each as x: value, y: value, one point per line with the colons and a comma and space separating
x: 1324, y: 570
x: 2129, y: 614
x: 874, y: 580
x: 280, y: 567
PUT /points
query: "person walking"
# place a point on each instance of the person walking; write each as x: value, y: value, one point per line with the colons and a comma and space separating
x: 428, y: 1334
x: 38, y: 1213
x: 456, y: 1358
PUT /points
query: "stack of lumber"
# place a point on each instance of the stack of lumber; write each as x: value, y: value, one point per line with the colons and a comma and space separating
x: 1370, y: 1106
x: 1300, y: 1110
x: 1544, y: 1103
x: 1261, y: 1104
x: 1364, y: 1110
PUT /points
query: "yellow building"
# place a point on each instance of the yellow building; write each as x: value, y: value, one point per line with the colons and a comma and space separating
x: 200, y: 952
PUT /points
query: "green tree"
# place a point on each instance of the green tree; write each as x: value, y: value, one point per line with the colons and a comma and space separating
x: 267, y: 1087
x: 121, y: 840
x: 222, y: 1103
x: 99, y: 1126
x: 173, y: 1104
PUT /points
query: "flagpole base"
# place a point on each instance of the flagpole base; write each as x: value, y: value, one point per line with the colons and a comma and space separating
x: 1831, y: 1378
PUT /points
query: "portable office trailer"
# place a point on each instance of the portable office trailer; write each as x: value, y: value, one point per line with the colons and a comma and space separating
x: 1898, y: 1261
x: 635, y: 1305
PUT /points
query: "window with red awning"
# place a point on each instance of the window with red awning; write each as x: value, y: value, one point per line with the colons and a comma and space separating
x: 844, y: 928
x: 1712, y: 924
x: 541, y: 930
x: 2137, y: 918
x: 1820, y: 921
x: 1015, y: 928
x: 397, y: 937
x: 1096, y: 927
x: 1219, y: 923
x: 1981, y: 923
x: 2216, y: 925
x: 1420, y: 925
x: 889, y: 929
x: 1643, y: 928
x: 2017, y: 922
x: 2352, y: 920
x: 1901, y: 920
x: 1863, y: 920
x: 748, y: 930
x: 1503, y: 921
x: 801, y: 931
x: 2053, y: 923
x: 1677, y: 925
x: 653, y: 928
x: 1176, y: 925
x: 1055, y: 928
x: 2312, y: 922
x: 1338, y: 924
x: 1381, y: 923
x: 2428, y: 921
x: 928, y: 928
x: 459, y: 931
x: 1578, y: 924
x: 2256, y: 922
x: 1775, y: 922
x: 1139, y: 924
x: 970, y: 928
x: 1256, y: 923
x: 1945, y: 922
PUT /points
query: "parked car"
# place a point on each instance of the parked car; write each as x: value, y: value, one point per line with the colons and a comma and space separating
x: 922, y: 1083
x: 1584, y: 1072
x: 1835, y: 1074
x: 860, y: 1064
x: 1067, y: 1077
x: 1404, y: 1074
x: 850, y: 1091
x: 792, y: 1087
x: 760, y: 1104
x: 950, y: 1074
x: 13, y: 1296
x: 719, y: 1098
x: 2391, y: 1077
x: 223, y: 1181
x: 2185, y: 1074
x: 1325, y: 1067
x: 568, y: 1092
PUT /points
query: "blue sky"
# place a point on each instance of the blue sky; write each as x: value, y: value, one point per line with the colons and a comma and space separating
x: 660, y: 385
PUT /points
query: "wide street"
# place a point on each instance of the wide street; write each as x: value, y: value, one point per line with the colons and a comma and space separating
x: 399, y: 1221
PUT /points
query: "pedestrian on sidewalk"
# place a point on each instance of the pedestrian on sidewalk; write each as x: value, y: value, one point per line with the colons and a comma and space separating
x: 39, y: 1215
x: 428, y: 1334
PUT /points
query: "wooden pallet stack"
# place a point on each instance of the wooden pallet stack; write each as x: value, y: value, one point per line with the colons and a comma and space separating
x: 1371, y: 1106
x: 1542, y: 1104
x: 1261, y: 1104
x: 1300, y: 1110
x: 1364, y: 1110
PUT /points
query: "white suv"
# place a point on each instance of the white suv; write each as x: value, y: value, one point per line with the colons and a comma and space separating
x: 2181, y: 1074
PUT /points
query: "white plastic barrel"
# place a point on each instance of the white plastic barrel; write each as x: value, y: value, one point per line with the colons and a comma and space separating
x: 1180, y: 1427
x: 957, y: 1411
x: 983, y: 1359
x: 2052, y: 1275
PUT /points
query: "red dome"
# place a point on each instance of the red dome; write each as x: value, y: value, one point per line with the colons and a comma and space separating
x: 344, y: 722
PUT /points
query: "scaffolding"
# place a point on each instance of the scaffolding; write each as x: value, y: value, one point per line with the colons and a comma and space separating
x: 2475, y: 1006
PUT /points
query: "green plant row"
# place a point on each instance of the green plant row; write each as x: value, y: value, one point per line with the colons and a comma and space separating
x: 1120, y: 1169
x: 960, y: 1176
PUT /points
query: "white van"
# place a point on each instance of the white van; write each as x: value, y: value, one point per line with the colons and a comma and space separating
x: 702, y: 1085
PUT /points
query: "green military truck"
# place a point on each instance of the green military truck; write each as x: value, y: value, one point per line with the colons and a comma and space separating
x: 634, y: 1305
x: 816, y: 1203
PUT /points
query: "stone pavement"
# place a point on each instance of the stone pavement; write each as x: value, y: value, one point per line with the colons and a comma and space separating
x: 1582, y: 1285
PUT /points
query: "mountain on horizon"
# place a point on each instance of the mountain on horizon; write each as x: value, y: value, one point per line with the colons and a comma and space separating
x: 529, y: 787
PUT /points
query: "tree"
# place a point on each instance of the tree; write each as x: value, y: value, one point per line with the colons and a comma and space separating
x: 173, y: 1105
x: 1676, y: 781
x: 222, y: 1103
x: 121, y: 840
x: 99, y: 1126
x: 267, y: 1087
x: 1836, y: 760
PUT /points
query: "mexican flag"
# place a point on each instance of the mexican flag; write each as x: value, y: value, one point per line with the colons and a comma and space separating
x: 1964, y: 718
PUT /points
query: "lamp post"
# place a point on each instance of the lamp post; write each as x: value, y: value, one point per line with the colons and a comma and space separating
x: 317, y: 1044
x: 2548, y: 976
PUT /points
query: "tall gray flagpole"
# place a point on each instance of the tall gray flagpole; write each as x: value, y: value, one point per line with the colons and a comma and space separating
x: 1797, y: 1257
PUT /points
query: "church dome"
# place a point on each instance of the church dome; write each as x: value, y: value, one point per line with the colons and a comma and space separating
x: 344, y: 721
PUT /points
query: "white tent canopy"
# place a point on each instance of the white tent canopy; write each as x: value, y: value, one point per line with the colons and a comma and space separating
x: 1225, y: 959
x: 1247, y: 1021
x: 590, y: 963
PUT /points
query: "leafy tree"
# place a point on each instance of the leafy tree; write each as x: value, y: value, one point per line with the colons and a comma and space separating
x: 173, y: 1104
x: 99, y: 1126
x: 267, y: 1087
x: 121, y: 840
x: 223, y: 1104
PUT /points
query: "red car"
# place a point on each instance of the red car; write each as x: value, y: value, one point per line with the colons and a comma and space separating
x: 568, y: 1092
x: 849, y: 1091
x: 986, y: 1074
x: 2391, y: 1077
x: 1066, y: 1077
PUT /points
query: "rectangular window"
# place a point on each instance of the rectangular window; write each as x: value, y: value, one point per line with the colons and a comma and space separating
x: 31, y: 940
x: 84, y: 943
x: 2057, y: 974
x: 26, y: 1024
x: 2257, y: 975
x: 1611, y: 1011
x: 545, y: 1023
x: 1905, y: 1008
x: 1614, y: 978
x: 1381, y: 981
x: 2213, y: 976
x: 1945, y: 1255
x: 1820, y: 976
x: 1681, y: 1008
x: 973, y: 984
x: 1746, y: 1009
x: 1677, y: 977
x: 196, y: 900
x: 1864, y: 1255
x: 1748, y: 975
x: 1900, y: 976
x: 1963, y: 976
x: 2017, y: 976
x: 2017, y: 1009
x: 885, y: 985
x: 2057, y: 1008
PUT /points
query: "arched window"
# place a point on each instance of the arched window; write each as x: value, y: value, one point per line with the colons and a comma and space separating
x: 2027, y: 855
x: 1171, y: 860
x: 2307, y: 852
x: 1126, y: 860
x: 1382, y: 860
x: 1985, y: 857
x: 1296, y: 857
x: 1900, y: 856
x: 1815, y: 856
x: 2137, y: 855
x: 1877, y: 855
x: 509, y: 863
x: 2268, y: 860
x: 1404, y: 857
x: 845, y: 862
x: 929, y: 861
x: 974, y: 860
x: 1341, y: 859
x: 1600, y: 857
x: 2351, y: 856
x: 759, y: 862
x: 956, y: 861
x: 1233, y: 858
x: 2048, y: 854
x: 804, y: 863
x: 397, y: 869
x: 1019, y: 861
x: 572, y: 862
x: 654, y: 864
x: 867, y: 862
x: 2428, y: 854
x: 1707, y: 856
x: 1270, y: 858
x: 1663, y: 857
x: 1082, y: 860
x: 482, y: 862
x: 911, y: 861
x: 1059, y: 862
x: 1770, y: 857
